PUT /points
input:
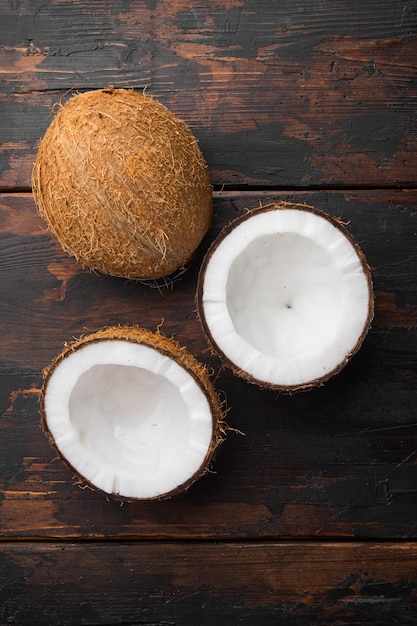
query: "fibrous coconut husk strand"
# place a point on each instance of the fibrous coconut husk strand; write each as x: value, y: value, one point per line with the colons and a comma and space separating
x: 123, y: 185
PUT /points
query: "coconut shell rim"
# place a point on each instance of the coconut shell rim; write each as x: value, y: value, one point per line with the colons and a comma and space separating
x: 215, y: 348
x: 216, y: 405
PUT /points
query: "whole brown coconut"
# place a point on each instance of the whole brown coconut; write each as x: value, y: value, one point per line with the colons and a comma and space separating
x: 122, y: 184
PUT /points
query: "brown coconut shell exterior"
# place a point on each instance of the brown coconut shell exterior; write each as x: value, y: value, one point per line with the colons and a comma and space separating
x: 216, y: 349
x: 168, y: 347
x: 122, y: 184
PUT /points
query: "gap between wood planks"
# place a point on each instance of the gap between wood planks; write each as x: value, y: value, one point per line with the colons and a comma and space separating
x: 220, y: 190
x: 235, y: 540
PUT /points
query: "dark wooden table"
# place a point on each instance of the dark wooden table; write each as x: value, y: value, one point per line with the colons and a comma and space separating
x: 311, y: 514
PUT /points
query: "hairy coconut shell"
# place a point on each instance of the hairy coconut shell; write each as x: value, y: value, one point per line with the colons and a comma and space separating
x: 167, y: 347
x: 122, y: 184
x: 217, y: 349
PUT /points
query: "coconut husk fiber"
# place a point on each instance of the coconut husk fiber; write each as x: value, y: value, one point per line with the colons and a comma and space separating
x: 122, y: 184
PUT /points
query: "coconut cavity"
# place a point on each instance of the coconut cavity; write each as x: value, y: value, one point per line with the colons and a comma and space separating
x: 285, y: 296
x: 122, y: 184
x: 132, y: 413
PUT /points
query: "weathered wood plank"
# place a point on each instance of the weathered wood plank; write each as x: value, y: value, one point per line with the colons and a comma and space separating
x: 319, y: 95
x: 337, y: 461
x: 312, y: 95
x: 195, y: 583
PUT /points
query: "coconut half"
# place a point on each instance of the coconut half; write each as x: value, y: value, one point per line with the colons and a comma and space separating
x: 285, y: 296
x: 132, y: 413
x: 122, y: 184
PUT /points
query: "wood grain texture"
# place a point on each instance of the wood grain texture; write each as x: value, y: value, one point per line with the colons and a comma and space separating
x: 339, y: 461
x: 309, y: 95
x: 309, y: 515
x: 165, y: 584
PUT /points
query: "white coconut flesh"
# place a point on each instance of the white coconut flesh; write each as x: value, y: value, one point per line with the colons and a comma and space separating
x: 129, y: 419
x: 286, y: 297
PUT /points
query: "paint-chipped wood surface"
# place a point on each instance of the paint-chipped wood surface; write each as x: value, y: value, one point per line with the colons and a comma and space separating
x: 315, y: 93
x: 160, y: 584
x: 310, y: 513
